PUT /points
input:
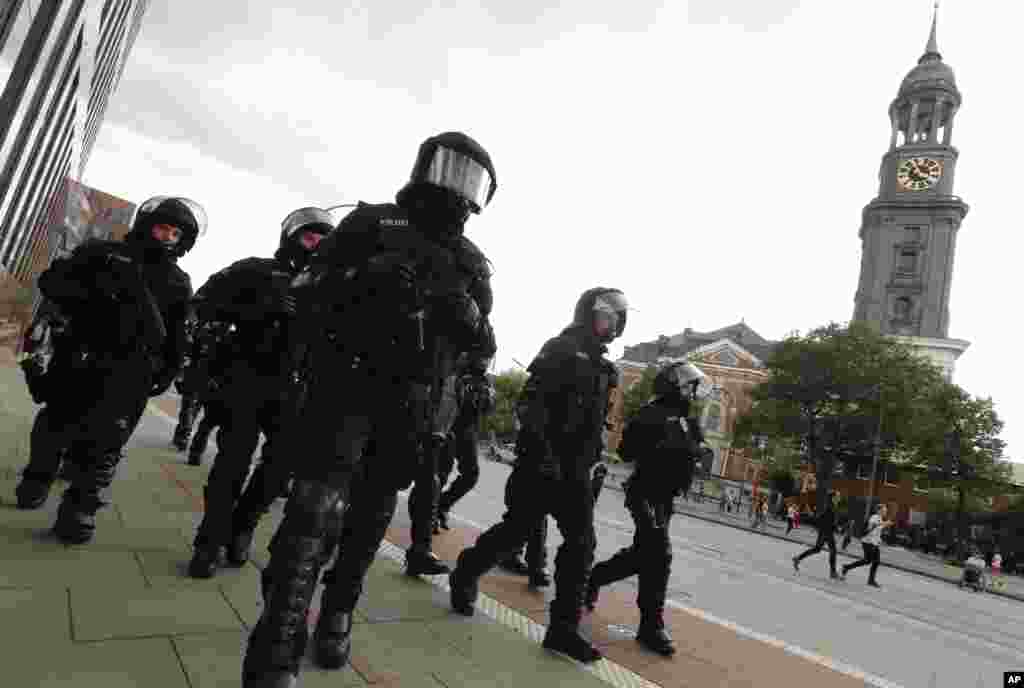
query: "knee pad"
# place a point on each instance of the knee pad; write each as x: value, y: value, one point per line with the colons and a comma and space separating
x: 311, y: 509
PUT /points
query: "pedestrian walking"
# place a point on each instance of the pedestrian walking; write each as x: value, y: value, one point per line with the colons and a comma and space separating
x: 790, y: 518
x: 826, y: 536
x: 872, y: 544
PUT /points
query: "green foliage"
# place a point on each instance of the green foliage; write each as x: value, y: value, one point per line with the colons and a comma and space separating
x: 782, y: 480
x: 507, y: 386
x: 828, y: 388
x: 638, y: 394
x: 1016, y: 504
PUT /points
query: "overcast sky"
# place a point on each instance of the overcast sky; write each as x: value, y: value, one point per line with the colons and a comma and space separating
x: 710, y: 158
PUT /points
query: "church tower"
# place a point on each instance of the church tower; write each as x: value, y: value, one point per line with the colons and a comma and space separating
x: 908, y: 232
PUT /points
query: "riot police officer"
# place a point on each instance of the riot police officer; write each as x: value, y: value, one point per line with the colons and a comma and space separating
x: 127, y: 303
x: 211, y: 357
x: 395, y: 294
x: 476, y: 397
x: 664, y: 442
x: 253, y: 295
x: 563, y: 408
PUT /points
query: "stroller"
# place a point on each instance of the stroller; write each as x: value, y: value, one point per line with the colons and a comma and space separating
x: 975, y: 576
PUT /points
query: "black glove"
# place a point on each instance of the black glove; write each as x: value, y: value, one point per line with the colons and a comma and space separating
x: 461, y: 310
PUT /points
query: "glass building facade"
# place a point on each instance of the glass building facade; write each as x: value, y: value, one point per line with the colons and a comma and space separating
x: 60, y: 61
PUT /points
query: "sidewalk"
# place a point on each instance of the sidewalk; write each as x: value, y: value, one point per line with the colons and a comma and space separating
x: 120, y: 612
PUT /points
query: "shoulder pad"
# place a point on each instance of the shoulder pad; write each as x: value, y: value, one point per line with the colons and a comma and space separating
x: 98, y: 247
x: 473, y: 260
x: 554, y: 352
x: 374, y: 215
x: 252, y: 263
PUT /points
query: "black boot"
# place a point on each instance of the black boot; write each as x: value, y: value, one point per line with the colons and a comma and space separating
x: 32, y: 492
x: 76, y: 517
x: 332, y: 640
x: 205, y: 562
x: 424, y: 564
x: 442, y: 522
x: 539, y: 578
x: 563, y: 630
x: 566, y: 639
x: 464, y: 587
x: 515, y: 564
x: 75, y: 524
x: 240, y: 548
x: 180, y: 442
x: 591, y: 595
x: 652, y: 634
x: 278, y: 642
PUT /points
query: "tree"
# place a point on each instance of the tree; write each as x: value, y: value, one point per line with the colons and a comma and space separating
x: 837, y: 390
x: 638, y: 394
x: 507, y: 386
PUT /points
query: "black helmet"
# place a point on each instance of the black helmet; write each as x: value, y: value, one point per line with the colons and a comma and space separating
x: 455, y: 162
x: 183, y: 213
x: 313, y: 219
x: 605, y: 304
x: 681, y: 379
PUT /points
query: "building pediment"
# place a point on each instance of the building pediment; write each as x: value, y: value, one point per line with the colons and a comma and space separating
x: 723, y: 352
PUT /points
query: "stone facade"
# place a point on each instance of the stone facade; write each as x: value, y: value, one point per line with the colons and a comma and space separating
x: 908, y: 232
x: 733, y: 369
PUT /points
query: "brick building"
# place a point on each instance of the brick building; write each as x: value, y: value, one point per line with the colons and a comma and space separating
x: 733, y: 358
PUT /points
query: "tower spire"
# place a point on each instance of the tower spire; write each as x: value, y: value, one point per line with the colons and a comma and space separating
x: 931, y: 51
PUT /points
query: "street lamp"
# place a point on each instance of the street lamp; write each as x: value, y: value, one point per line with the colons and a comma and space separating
x: 876, y: 452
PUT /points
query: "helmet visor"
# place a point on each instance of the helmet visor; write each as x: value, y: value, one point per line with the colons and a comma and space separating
x: 611, y: 307
x: 460, y: 173
x: 152, y: 205
x: 313, y: 219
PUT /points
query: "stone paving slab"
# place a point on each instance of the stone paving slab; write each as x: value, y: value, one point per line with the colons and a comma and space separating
x: 213, y: 660
x: 121, y: 612
x: 149, y: 662
x: 109, y: 614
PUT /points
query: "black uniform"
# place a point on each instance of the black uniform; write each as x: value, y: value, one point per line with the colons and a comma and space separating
x: 127, y: 304
x: 532, y: 559
x: 211, y: 356
x: 662, y: 440
x: 397, y: 297
x: 476, y: 400
x: 189, y: 401
x: 563, y: 408
x: 256, y: 397
x: 45, y: 341
x: 826, y: 525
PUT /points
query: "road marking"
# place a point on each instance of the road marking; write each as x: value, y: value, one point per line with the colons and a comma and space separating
x: 827, y: 662
x: 795, y: 650
x: 609, y: 671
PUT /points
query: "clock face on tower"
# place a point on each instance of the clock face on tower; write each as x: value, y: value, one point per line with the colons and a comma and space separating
x: 918, y: 174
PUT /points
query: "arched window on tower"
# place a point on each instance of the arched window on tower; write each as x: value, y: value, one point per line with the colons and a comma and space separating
x: 908, y: 261
x: 902, y: 308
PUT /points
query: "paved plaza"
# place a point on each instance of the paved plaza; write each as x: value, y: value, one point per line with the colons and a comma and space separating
x: 121, y: 612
